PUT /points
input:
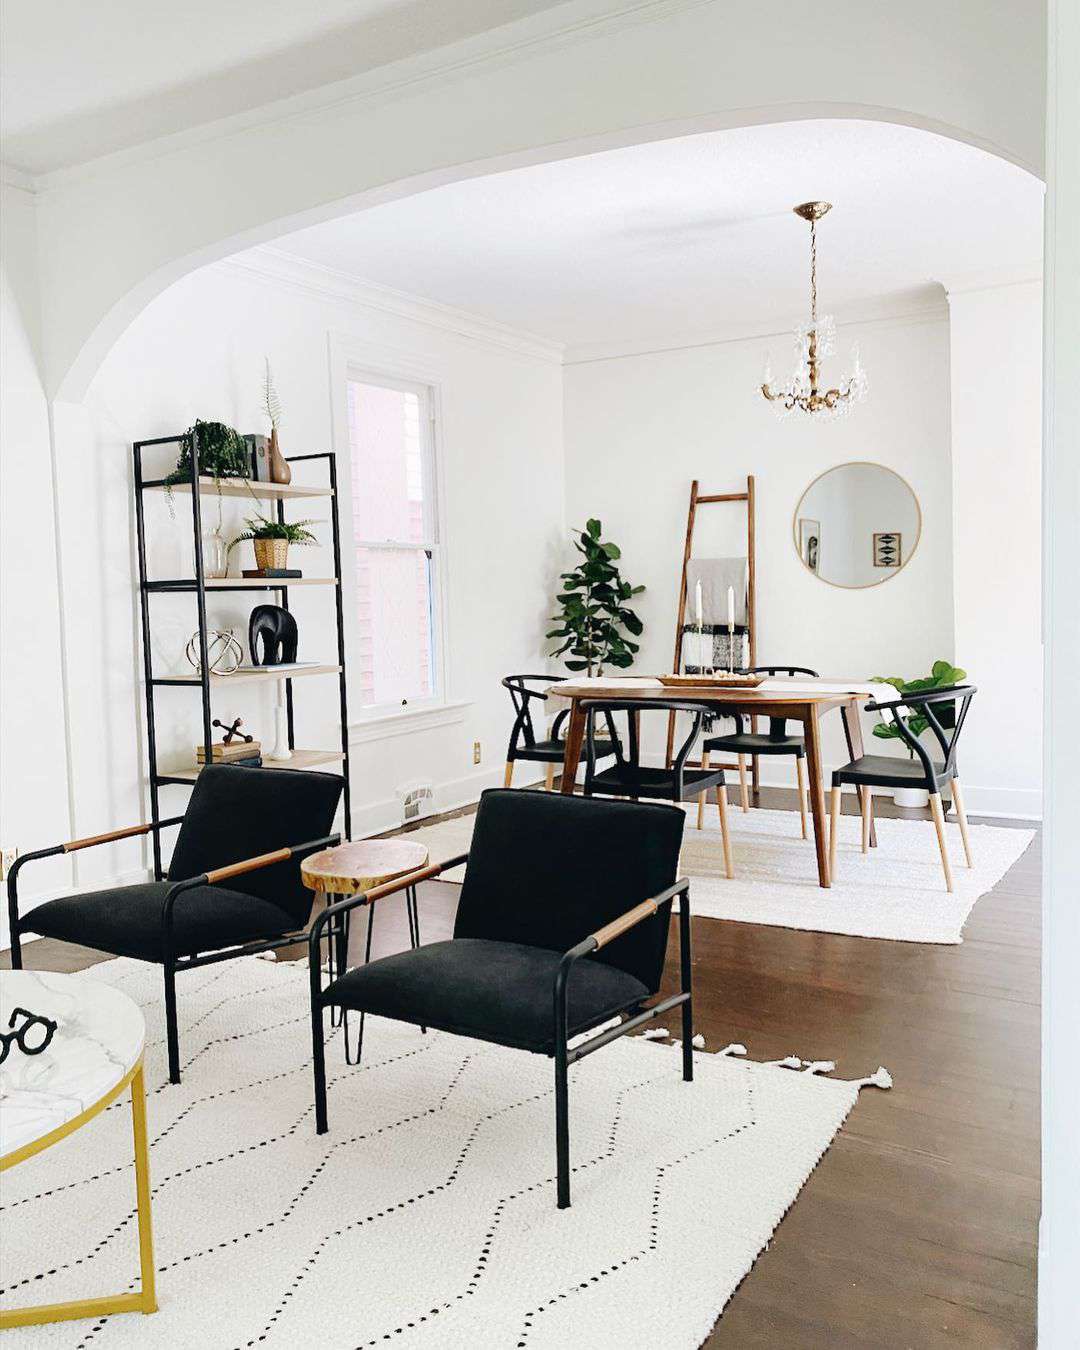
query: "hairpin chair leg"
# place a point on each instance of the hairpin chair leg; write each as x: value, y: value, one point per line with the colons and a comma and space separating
x: 171, y: 1033
x: 834, y: 828
x: 939, y: 826
x: 866, y: 806
x: 800, y: 771
x: 725, y: 836
x: 961, y: 816
x: 706, y: 761
x: 743, y: 798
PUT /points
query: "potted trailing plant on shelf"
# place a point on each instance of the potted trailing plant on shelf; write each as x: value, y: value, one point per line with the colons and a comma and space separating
x: 272, y: 539
x: 593, y: 609
x: 942, y: 675
x: 223, y: 453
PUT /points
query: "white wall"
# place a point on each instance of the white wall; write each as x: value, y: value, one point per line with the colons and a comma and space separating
x: 640, y: 428
x: 198, y: 351
x: 33, y: 764
x: 996, y: 385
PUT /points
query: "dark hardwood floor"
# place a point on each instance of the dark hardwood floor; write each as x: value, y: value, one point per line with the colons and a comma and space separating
x: 919, y: 1226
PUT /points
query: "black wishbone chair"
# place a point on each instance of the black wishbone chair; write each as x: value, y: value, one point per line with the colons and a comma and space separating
x: 628, y: 777
x: 870, y: 771
x: 777, y: 741
x: 233, y: 828
x: 549, y: 748
x: 562, y: 926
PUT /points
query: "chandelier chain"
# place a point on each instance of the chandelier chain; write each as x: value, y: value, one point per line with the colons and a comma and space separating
x: 813, y: 273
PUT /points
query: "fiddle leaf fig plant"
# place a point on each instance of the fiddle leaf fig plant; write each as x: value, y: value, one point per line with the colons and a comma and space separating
x: 942, y: 675
x: 594, y: 618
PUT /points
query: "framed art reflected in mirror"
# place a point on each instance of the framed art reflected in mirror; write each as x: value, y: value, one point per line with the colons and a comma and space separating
x: 857, y: 525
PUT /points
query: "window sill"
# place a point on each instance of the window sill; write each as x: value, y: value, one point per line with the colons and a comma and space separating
x: 384, y: 725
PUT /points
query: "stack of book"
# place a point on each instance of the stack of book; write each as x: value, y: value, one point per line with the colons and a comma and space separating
x: 247, y: 753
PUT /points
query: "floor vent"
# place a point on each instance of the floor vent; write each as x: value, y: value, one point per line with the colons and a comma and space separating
x: 416, y: 800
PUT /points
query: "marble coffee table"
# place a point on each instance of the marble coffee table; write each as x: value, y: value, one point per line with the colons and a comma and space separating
x: 95, y: 1053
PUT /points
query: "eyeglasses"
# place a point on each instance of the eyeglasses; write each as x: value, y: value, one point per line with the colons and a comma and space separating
x: 29, y: 1040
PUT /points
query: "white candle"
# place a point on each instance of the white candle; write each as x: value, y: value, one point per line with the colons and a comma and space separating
x: 731, y: 610
x: 697, y: 603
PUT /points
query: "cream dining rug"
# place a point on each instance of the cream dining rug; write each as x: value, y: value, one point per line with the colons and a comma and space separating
x: 426, y: 1217
x: 895, y: 891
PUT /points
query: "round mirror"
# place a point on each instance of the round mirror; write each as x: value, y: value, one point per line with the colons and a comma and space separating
x: 857, y: 525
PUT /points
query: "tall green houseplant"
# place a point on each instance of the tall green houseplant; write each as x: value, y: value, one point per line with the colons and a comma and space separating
x: 594, y: 617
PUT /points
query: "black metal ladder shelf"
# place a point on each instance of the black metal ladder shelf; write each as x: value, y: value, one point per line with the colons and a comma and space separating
x: 199, y: 585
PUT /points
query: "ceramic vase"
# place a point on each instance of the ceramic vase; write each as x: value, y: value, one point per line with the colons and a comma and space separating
x: 280, y: 749
x: 280, y: 469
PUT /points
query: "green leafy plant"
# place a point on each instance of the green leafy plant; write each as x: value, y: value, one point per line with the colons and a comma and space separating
x: 294, y: 531
x: 594, y: 612
x: 223, y: 453
x: 942, y: 675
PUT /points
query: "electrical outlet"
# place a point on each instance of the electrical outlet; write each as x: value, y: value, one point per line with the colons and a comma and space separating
x: 476, y: 752
x: 7, y: 861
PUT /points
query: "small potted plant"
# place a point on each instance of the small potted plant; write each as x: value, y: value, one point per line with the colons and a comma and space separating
x: 942, y: 675
x: 272, y: 538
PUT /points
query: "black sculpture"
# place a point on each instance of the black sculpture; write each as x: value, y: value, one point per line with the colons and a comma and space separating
x: 277, y: 628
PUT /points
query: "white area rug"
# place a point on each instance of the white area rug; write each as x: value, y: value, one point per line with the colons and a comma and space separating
x: 426, y: 1217
x: 895, y: 891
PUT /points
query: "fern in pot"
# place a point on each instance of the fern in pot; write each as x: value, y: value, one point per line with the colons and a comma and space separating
x: 272, y: 538
x: 942, y: 675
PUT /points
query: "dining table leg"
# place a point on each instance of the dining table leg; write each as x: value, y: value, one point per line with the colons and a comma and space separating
x: 817, y: 792
x: 575, y: 735
x: 853, y: 736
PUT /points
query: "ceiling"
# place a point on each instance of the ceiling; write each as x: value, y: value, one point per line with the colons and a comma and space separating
x: 82, y: 78
x: 695, y: 235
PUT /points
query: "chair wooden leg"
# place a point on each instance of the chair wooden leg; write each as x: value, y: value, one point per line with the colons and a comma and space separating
x: 743, y: 798
x: 939, y: 826
x: 800, y: 770
x: 721, y: 802
x: 549, y: 778
x: 961, y: 816
x: 866, y: 805
x: 834, y: 829
x: 509, y: 774
x: 706, y: 759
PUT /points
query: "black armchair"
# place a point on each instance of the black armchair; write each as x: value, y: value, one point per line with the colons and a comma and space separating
x: 944, y: 711
x: 562, y: 925
x: 233, y: 828
x: 544, y: 749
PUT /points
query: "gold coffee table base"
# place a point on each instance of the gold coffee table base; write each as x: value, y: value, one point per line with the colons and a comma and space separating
x: 145, y: 1300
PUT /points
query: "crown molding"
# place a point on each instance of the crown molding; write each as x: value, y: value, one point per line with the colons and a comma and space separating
x: 12, y: 176
x: 301, y: 275
x: 960, y: 283
x: 550, y: 30
x: 925, y: 305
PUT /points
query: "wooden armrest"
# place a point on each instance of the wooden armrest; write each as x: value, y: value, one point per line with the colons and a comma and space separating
x: 645, y: 910
x: 237, y: 869
x: 73, y: 845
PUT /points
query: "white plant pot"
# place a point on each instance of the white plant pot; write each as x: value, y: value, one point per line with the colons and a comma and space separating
x: 911, y: 796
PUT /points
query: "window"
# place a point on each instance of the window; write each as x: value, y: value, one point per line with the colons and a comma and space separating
x: 396, y: 544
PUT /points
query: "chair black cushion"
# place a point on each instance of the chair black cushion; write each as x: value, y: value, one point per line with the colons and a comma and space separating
x: 546, y: 870
x: 887, y: 771
x: 491, y: 991
x: 126, y: 921
x: 645, y: 781
x: 756, y: 743
x: 555, y: 751
x: 236, y: 813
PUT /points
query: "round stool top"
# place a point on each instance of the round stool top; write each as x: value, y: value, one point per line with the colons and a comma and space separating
x: 360, y: 866
x: 98, y: 1040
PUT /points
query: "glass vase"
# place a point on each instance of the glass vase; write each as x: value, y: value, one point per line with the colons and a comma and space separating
x: 215, y: 554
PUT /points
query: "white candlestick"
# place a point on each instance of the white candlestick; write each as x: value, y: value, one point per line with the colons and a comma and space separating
x: 697, y: 603
x: 731, y: 609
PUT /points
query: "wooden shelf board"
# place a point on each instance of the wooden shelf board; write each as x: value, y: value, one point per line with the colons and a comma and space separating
x: 245, y: 487
x: 301, y: 759
x: 270, y: 675
x: 245, y: 583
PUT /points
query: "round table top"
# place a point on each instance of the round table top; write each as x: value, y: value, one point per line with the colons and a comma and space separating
x: 98, y: 1041
x: 359, y: 866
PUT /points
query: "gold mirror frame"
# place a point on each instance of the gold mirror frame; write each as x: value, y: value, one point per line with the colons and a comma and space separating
x: 892, y: 571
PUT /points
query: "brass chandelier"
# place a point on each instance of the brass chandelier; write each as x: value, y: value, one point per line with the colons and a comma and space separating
x: 814, y: 341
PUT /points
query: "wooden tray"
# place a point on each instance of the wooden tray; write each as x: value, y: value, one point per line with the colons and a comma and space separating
x: 705, y: 681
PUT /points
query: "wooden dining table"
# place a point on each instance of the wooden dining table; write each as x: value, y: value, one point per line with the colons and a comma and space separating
x: 807, y: 701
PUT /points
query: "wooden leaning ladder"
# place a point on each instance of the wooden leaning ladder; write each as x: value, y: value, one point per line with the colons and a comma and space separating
x: 697, y: 499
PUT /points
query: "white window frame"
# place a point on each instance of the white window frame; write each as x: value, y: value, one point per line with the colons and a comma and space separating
x: 389, y: 369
